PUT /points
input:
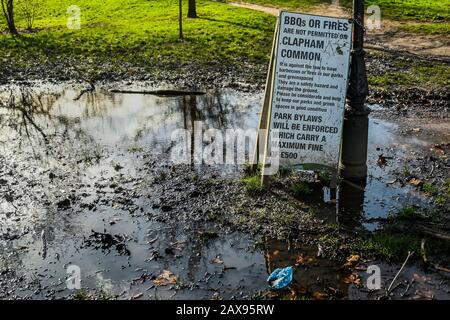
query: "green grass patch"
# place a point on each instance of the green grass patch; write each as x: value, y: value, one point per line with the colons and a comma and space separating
x: 408, y: 213
x: 390, y: 246
x: 412, y: 74
x: 300, y: 188
x: 134, y: 149
x: 430, y: 189
x: 428, y: 28
x: 205, y: 236
x: 143, y: 33
x: 440, y: 200
x: 253, y: 184
x: 288, y: 4
x: 447, y: 187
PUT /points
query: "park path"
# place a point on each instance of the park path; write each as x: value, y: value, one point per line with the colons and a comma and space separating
x: 389, y: 37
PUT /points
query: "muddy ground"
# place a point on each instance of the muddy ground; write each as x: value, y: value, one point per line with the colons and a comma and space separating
x: 89, y: 181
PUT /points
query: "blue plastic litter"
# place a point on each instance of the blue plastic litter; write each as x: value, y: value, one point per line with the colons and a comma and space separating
x: 281, y: 278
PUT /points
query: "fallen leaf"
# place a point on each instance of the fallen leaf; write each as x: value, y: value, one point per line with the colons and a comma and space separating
x: 439, y: 148
x: 381, y: 160
x: 419, y: 278
x: 354, y: 278
x: 335, y: 292
x: 217, y: 260
x: 352, y: 261
x: 301, y: 260
x: 360, y: 267
x: 427, y: 295
x: 415, y: 182
x: 165, y: 278
x: 320, y: 295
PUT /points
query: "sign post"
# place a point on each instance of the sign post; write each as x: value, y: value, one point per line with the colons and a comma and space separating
x: 308, y: 81
x: 356, y: 124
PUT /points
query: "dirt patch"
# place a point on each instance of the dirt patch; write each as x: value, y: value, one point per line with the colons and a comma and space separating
x: 387, y: 37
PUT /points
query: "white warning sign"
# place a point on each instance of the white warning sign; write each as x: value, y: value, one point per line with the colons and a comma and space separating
x: 311, y: 67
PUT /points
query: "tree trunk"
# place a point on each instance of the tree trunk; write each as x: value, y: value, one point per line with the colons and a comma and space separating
x: 8, y: 12
x: 192, y: 11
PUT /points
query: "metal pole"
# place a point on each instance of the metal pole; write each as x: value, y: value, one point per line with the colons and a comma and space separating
x: 180, y: 19
x: 356, y: 122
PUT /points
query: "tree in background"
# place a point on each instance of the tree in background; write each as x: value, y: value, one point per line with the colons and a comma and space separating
x: 8, y: 12
x: 192, y: 11
x: 29, y: 9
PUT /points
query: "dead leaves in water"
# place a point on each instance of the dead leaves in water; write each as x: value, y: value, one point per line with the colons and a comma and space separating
x: 354, y: 278
x: 441, y: 148
x: 416, y: 182
x: 352, y: 261
x: 166, y: 278
x: 302, y: 261
x: 217, y: 260
x: 382, y: 160
x: 320, y: 295
x: 423, y: 295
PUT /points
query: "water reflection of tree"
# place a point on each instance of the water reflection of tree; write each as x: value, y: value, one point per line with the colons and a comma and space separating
x: 27, y: 116
x: 28, y: 126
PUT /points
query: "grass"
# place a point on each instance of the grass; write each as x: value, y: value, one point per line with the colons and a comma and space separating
x: 413, y: 73
x: 253, y: 184
x: 300, y: 188
x: 427, y: 28
x: 430, y: 189
x: 134, y: 149
x: 447, y: 187
x: 141, y: 37
x: 252, y: 179
x: 408, y: 213
x: 390, y: 246
x: 288, y: 4
x: 444, y: 196
x: 143, y: 33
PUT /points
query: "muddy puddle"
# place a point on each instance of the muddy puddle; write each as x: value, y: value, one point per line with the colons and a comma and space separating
x: 78, y: 181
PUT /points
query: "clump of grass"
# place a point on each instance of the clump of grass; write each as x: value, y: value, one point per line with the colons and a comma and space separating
x: 331, y: 240
x: 81, y: 294
x: 134, y: 149
x: 253, y: 184
x: 430, y: 189
x: 447, y: 187
x: 105, y: 295
x: 440, y: 200
x: 324, y: 177
x: 405, y: 172
x: 252, y: 178
x: 411, y: 73
x: 300, y: 188
x: 391, y: 246
x: 408, y: 213
x: 251, y: 170
x: 205, y: 236
x: 431, y: 28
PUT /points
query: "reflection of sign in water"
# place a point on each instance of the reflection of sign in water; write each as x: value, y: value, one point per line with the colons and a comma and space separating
x: 307, y: 90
